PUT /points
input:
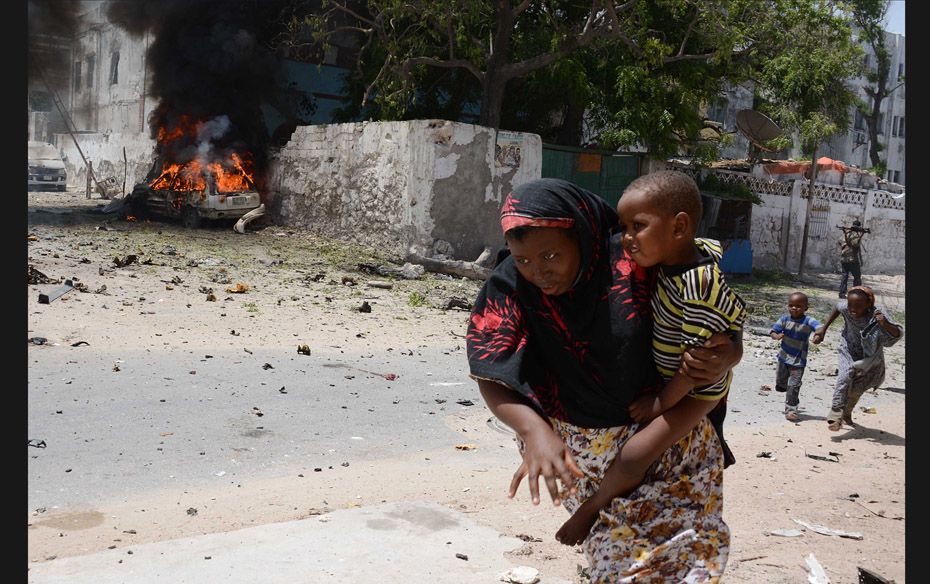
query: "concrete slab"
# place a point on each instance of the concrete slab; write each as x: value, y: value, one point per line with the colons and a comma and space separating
x: 401, y: 542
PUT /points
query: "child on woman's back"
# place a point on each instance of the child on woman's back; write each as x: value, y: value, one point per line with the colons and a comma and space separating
x: 659, y: 214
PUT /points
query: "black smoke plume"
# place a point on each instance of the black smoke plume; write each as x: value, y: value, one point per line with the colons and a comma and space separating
x: 210, y: 61
x: 51, y: 27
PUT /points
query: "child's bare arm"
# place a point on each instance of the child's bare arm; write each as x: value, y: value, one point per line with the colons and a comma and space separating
x: 821, y: 332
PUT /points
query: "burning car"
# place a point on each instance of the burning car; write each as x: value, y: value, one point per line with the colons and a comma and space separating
x: 194, y: 191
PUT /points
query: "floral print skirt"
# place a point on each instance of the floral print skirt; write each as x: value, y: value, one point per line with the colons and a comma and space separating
x: 670, y: 528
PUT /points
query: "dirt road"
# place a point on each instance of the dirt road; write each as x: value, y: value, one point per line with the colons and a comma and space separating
x: 425, y: 434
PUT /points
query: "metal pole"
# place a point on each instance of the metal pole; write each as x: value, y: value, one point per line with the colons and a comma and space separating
x: 69, y: 124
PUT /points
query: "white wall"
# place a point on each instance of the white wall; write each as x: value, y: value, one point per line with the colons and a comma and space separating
x: 105, y: 151
x: 399, y: 184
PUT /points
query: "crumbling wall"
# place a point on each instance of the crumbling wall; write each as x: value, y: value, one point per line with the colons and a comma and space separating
x: 105, y: 150
x: 398, y: 185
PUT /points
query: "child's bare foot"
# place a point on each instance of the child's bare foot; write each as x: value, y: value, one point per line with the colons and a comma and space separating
x: 573, y: 532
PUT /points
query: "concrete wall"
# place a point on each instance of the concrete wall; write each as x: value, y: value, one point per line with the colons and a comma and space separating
x: 105, y: 150
x: 777, y: 227
x: 399, y: 184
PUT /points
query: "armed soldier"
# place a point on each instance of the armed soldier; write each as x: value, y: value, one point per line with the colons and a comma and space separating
x: 851, y: 254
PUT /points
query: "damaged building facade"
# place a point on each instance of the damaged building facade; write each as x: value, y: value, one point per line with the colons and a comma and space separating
x: 413, y: 184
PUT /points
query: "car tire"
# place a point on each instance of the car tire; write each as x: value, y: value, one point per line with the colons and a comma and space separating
x: 190, y: 217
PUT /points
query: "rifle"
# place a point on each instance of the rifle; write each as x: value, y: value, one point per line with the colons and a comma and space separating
x: 856, y: 229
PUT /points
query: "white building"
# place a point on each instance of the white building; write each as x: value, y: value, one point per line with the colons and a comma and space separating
x: 851, y: 147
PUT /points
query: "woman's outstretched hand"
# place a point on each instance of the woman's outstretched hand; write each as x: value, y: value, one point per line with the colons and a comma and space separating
x: 546, y: 456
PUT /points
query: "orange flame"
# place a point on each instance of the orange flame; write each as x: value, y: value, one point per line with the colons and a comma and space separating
x: 230, y: 176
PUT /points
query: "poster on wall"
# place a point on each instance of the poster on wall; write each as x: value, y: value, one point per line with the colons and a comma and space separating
x: 507, y: 150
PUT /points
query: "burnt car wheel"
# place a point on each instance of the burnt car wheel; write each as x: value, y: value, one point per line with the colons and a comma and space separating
x: 190, y: 217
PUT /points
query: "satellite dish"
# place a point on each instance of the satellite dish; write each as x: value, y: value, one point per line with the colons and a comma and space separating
x: 759, y: 128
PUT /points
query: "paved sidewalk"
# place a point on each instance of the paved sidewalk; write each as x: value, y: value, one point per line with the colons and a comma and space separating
x: 394, y: 543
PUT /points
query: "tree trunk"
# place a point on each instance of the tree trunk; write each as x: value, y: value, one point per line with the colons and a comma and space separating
x: 807, y: 212
x: 495, y: 82
x: 570, y: 132
x: 492, y: 101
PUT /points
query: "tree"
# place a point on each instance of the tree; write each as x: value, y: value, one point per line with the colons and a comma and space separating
x: 498, y: 42
x: 803, y: 80
x: 869, y: 17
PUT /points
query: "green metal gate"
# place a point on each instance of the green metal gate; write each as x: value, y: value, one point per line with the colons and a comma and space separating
x: 603, y: 172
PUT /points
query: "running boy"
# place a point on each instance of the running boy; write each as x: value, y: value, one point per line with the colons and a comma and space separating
x: 659, y: 214
x: 793, y: 330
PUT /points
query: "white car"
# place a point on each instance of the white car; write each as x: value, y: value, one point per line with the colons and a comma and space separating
x: 191, y: 204
x: 45, y: 168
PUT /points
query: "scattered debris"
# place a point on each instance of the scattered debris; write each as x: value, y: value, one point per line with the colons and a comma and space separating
x: 827, y: 531
x: 455, y: 302
x: 365, y: 307
x: 267, y: 366
x: 37, y: 340
x: 867, y: 576
x: 764, y: 454
x: 108, y: 188
x: 379, y: 284
x: 248, y: 218
x: 34, y: 276
x: 47, y: 298
x: 462, y: 557
x: 80, y: 343
x: 348, y: 281
x: 766, y: 387
x: 520, y: 575
x: 389, y: 376
x: 824, y: 458
x: 239, y: 288
x: 465, y: 446
x: 121, y: 262
x: 465, y: 402
x: 817, y: 574
x: 785, y: 532
x: 36, y: 443
x: 408, y: 271
x: 303, y: 349
x: 474, y: 270
x: 868, y: 410
x: 191, y: 511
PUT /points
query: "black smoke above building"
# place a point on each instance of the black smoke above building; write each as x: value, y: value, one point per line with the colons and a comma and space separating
x: 209, y: 61
x: 50, y: 29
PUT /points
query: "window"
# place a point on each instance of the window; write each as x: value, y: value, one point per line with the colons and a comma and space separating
x: 894, y: 126
x: 900, y: 70
x: 90, y: 70
x: 889, y: 174
x: 901, y: 126
x: 860, y: 121
x: 717, y: 110
x: 881, y: 123
x: 77, y: 75
x: 114, y: 67
x: 897, y: 176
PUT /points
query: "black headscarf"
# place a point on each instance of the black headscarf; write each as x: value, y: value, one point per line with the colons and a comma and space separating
x: 583, y: 356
